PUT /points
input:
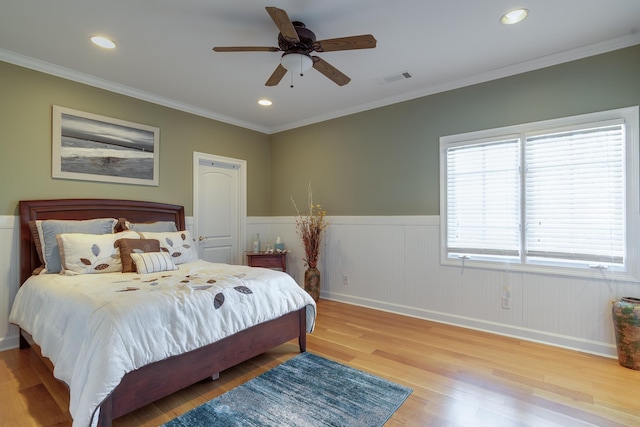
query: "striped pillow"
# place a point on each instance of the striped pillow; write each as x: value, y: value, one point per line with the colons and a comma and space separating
x: 153, y: 262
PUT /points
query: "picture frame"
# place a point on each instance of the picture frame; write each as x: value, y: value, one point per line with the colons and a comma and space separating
x: 91, y: 147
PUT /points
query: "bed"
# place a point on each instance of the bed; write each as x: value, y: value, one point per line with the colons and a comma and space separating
x: 144, y: 384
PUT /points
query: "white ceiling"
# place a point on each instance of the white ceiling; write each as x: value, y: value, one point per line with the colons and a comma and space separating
x: 164, y: 49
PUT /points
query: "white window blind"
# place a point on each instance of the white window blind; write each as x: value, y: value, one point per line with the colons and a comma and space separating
x: 483, y: 199
x: 559, y: 196
x: 575, y: 204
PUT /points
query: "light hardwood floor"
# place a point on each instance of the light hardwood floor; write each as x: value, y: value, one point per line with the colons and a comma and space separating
x: 459, y: 377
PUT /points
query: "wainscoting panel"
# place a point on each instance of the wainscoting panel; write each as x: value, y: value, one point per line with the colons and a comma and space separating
x: 393, y: 264
x: 8, y: 279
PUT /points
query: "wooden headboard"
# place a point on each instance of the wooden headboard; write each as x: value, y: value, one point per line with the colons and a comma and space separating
x: 78, y: 209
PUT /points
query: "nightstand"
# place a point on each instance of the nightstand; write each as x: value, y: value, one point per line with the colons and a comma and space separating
x: 267, y: 260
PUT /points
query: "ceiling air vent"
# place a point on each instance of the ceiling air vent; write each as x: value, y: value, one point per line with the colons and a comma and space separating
x: 394, y: 78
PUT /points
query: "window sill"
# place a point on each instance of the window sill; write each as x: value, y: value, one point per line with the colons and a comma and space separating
x: 609, y: 274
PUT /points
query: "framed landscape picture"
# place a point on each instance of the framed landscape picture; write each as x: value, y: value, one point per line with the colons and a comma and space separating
x: 96, y: 148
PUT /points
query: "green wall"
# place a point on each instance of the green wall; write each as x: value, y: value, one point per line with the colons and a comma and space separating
x: 378, y: 162
x: 26, y: 97
x: 385, y: 161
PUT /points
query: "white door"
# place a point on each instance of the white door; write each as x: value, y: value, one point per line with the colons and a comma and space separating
x: 219, y: 207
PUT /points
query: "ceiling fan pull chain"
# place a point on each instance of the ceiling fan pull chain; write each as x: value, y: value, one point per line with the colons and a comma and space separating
x: 291, y: 79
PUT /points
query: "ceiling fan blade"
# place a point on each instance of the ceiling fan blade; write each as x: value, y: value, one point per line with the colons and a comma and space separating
x: 277, y: 75
x: 365, y: 41
x: 246, y: 49
x: 330, y: 71
x: 284, y: 24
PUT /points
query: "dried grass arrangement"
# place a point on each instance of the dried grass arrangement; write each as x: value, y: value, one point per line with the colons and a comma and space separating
x: 309, y: 226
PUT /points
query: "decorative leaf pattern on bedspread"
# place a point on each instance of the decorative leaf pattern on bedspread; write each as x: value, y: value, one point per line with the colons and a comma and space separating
x: 243, y: 290
x: 196, y: 283
x: 218, y: 300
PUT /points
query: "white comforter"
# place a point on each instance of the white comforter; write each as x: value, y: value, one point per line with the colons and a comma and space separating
x: 97, y: 327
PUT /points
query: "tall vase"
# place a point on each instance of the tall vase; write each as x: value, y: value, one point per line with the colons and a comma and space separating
x: 312, y: 282
x: 626, y: 322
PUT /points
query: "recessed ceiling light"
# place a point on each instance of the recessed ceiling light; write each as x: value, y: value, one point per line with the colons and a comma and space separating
x: 514, y: 16
x: 264, y: 102
x: 103, y: 42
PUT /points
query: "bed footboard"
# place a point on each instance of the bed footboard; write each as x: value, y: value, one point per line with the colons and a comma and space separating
x: 159, y: 379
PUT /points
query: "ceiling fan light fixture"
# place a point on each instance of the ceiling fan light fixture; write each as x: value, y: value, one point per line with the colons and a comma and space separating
x: 514, y: 16
x: 296, y: 62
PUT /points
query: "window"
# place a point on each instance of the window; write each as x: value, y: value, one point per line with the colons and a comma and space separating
x: 559, y: 196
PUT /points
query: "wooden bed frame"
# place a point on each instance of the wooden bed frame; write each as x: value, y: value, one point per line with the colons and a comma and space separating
x: 154, y: 381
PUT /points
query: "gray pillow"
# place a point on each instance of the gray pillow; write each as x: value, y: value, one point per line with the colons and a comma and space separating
x: 154, y: 227
x: 47, y: 230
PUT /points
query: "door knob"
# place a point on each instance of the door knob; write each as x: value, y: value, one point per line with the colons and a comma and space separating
x: 201, y: 238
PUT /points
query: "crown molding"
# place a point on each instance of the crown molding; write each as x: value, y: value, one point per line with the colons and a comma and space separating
x: 66, y: 73
x: 498, y: 73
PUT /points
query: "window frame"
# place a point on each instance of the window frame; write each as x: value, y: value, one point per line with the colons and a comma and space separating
x: 630, y: 271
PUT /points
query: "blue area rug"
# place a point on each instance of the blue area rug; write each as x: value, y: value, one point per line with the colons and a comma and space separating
x: 307, y: 390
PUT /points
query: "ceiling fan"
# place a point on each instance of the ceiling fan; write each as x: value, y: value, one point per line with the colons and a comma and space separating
x: 298, y: 42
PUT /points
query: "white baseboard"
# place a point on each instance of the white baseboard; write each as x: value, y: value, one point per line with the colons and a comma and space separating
x: 567, y: 342
x: 9, y: 342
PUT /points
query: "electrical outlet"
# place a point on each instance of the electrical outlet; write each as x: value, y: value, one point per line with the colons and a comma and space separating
x: 506, y: 300
x: 506, y: 303
x: 345, y: 280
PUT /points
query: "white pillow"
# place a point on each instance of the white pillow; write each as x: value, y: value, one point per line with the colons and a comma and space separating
x: 91, y: 253
x: 152, y: 262
x: 178, y: 244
